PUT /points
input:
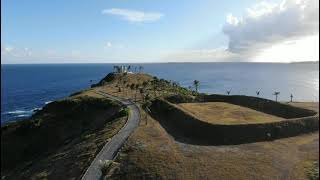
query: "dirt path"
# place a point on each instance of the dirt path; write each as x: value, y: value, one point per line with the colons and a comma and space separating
x: 109, y: 151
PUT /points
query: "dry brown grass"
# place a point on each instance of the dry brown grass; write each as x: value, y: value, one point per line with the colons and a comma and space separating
x: 308, y: 105
x: 152, y: 152
x: 225, y: 113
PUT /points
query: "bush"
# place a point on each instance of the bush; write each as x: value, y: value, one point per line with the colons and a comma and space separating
x: 313, y: 171
x: 51, y: 127
x: 105, y: 166
x: 124, y: 112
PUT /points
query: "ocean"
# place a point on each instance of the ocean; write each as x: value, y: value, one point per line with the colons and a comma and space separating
x: 25, y: 88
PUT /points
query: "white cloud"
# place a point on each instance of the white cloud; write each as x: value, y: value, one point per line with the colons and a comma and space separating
x: 15, y: 52
x: 267, y: 23
x: 268, y: 32
x: 108, y: 45
x: 133, y: 15
x: 6, y: 49
x: 303, y: 49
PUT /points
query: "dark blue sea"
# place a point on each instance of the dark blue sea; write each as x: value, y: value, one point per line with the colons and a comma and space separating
x: 25, y: 88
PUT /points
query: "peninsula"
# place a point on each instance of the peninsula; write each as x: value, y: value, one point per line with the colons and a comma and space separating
x: 153, y: 128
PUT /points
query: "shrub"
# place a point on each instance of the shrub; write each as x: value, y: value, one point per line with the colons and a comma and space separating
x: 105, y: 166
x: 313, y: 172
x: 124, y: 112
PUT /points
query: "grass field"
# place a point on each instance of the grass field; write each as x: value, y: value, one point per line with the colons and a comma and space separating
x: 225, y: 113
x: 153, y: 153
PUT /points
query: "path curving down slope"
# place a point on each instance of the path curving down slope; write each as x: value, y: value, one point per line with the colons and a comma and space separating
x: 110, y: 149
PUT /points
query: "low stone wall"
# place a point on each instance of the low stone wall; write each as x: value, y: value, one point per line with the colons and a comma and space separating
x: 263, y: 105
x: 182, y: 124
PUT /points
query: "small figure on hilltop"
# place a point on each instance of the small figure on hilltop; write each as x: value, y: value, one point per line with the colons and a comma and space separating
x: 291, y: 96
x: 276, y: 94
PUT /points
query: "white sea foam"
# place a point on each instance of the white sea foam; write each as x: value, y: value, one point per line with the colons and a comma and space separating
x: 23, y: 115
x: 16, y: 112
x: 36, y: 109
x: 47, y: 102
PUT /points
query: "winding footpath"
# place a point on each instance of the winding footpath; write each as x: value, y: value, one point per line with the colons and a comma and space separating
x: 110, y: 149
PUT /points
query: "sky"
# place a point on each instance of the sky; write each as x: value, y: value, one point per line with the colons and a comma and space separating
x: 135, y: 31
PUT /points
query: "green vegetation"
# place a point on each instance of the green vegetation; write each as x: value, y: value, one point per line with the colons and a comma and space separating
x: 313, y: 171
x: 70, y: 132
x: 105, y: 166
x: 56, y: 124
x: 124, y: 112
x: 196, y: 85
x: 78, y: 93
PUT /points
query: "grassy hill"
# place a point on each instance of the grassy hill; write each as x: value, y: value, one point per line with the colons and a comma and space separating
x: 61, y: 140
x: 58, y: 125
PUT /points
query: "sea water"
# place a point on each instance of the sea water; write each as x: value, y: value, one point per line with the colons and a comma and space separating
x: 26, y: 88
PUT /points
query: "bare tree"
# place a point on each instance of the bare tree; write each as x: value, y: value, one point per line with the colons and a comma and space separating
x: 291, y: 96
x: 228, y: 92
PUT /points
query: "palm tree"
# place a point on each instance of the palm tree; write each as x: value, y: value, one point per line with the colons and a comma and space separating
x: 145, y: 84
x: 142, y: 91
x: 291, y: 96
x: 132, y: 86
x: 140, y: 69
x: 276, y: 94
x: 116, y: 69
x: 136, y: 87
x: 154, y: 86
x: 127, y: 89
x: 175, y: 86
x: 196, y: 85
x: 258, y: 93
x: 146, y: 106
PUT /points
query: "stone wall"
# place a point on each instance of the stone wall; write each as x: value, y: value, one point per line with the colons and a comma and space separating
x: 182, y: 124
x: 263, y: 105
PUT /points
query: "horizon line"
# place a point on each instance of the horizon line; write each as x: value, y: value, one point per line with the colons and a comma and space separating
x: 265, y: 62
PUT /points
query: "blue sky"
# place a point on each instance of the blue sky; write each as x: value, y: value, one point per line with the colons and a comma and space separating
x: 37, y: 31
